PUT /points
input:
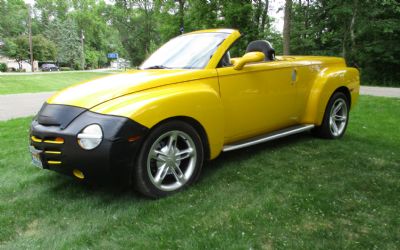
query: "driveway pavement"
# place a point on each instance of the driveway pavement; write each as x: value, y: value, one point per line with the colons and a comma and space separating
x: 21, y: 105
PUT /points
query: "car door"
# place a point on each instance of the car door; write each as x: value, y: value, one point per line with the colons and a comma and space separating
x: 257, y: 99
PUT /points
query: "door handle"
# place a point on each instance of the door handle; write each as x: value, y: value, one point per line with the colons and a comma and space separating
x: 294, y: 76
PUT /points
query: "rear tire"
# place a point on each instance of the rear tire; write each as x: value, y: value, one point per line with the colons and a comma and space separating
x: 170, y: 159
x: 336, y: 117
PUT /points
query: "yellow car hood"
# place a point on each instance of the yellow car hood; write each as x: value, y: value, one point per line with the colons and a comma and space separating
x: 89, y: 94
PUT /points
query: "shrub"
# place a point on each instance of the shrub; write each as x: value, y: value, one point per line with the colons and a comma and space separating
x: 65, y: 69
x: 3, y: 67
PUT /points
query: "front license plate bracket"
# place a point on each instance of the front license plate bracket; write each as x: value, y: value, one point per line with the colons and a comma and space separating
x: 36, y: 158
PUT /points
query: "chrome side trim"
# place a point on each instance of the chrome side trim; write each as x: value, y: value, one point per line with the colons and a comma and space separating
x: 268, y: 137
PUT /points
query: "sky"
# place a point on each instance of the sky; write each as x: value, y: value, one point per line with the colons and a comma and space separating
x: 273, y: 12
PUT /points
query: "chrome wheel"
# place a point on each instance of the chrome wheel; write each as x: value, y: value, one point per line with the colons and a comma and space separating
x: 171, y: 160
x: 338, y: 117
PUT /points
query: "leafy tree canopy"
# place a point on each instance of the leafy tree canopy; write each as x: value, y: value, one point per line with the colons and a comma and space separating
x: 365, y: 32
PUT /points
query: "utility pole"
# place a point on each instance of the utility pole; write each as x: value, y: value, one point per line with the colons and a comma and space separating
x: 83, y: 50
x: 30, y: 36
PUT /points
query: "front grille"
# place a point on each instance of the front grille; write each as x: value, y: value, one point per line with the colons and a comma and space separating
x: 51, y: 148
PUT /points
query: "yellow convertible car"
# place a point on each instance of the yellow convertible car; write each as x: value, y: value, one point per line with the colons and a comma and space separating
x: 188, y: 102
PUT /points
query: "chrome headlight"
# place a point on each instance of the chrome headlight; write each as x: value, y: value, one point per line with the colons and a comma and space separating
x: 90, y: 137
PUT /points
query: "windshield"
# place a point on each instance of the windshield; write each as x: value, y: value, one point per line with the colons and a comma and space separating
x: 192, y: 51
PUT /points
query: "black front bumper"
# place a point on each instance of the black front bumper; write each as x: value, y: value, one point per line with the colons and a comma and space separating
x: 54, y: 132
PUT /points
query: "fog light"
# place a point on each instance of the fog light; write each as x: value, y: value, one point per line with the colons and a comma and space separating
x: 78, y: 174
x: 90, y: 137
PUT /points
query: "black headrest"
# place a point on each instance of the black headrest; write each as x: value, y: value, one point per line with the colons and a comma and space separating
x: 264, y: 47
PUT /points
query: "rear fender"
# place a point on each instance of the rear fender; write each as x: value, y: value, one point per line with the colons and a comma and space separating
x: 326, y: 83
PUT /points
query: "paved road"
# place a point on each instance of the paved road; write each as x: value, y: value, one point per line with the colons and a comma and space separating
x: 106, y: 71
x: 21, y: 105
x: 380, y: 91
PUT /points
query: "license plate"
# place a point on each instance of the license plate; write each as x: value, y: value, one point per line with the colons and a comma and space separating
x: 36, y: 161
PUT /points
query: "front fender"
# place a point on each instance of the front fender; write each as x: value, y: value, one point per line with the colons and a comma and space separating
x: 198, y: 100
x: 326, y: 83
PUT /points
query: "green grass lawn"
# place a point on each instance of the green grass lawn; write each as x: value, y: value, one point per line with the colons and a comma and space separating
x: 295, y: 193
x: 12, y: 84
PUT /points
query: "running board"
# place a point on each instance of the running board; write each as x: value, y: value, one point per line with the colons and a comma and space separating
x: 268, y: 137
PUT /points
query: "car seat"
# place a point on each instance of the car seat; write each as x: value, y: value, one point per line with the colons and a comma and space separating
x: 264, y: 47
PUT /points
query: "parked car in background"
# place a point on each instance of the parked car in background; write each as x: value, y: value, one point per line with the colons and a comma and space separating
x: 187, y: 103
x: 50, y: 67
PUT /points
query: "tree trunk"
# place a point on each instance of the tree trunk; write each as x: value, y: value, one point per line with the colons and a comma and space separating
x: 257, y: 14
x: 352, y: 22
x: 147, y: 8
x: 286, y: 27
x: 265, y: 18
x: 352, y: 47
x: 344, y: 51
x: 306, y: 18
x: 19, y: 61
x: 181, y: 15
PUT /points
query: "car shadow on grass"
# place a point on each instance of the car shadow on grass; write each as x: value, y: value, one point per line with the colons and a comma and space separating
x: 73, y: 189
x: 243, y: 154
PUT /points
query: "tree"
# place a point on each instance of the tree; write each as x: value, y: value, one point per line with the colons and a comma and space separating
x: 365, y: 34
x: 203, y: 15
x: 65, y: 35
x: 135, y: 21
x: 48, y: 10
x: 43, y: 49
x: 18, y: 49
x: 145, y: 25
x: 286, y: 27
x: 13, y: 18
x: 377, y: 36
x: 260, y: 16
x: 239, y: 15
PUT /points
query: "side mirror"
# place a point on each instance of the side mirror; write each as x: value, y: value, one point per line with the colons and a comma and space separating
x: 248, y: 58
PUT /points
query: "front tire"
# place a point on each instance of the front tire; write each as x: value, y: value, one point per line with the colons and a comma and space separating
x: 170, y: 159
x: 336, y: 117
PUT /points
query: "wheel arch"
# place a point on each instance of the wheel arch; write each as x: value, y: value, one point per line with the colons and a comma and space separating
x: 329, y: 81
x: 345, y: 91
x: 197, y: 126
x: 197, y: 103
